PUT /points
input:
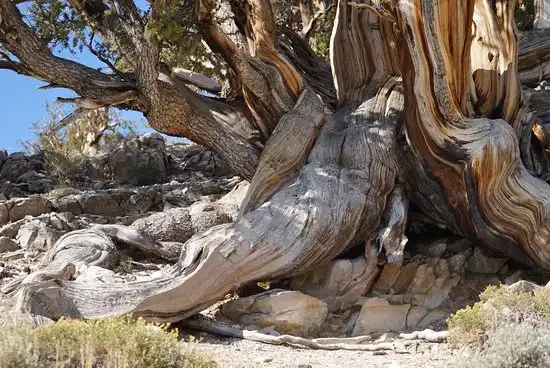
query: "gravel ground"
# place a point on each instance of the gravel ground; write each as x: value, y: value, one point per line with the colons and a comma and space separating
x: 234, y: 353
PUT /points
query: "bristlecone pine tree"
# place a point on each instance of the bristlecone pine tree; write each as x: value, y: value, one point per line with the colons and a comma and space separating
x: 422, y: 101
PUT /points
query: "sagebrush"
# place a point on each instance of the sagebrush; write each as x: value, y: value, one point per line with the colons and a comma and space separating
x: 507, y: 328
x: 110, y: 343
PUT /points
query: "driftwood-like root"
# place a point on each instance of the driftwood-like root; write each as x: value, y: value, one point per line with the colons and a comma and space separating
x: 352, y: 343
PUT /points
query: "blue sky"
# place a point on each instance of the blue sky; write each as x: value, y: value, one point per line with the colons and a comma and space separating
x: 21, y: 103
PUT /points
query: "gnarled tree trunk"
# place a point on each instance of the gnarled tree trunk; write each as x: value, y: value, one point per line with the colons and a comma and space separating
x: 442, y: 74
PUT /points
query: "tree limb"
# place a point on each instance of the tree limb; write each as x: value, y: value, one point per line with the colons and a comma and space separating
x: 40, y: 63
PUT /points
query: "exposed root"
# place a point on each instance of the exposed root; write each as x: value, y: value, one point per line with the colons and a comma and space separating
x: 351, y: 343
x: 426, y: 335
x: 394, y: 222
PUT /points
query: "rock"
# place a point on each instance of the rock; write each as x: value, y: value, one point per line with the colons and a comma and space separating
x: 34, y: 182
x: 339, y: 284
x: 439, y: 292
x: 236, y: 195
x: 18, y: 164
x: 433, y: 316
x: 205, y: 215
x: 68, y: 204
x: 387, y: 278
x: 459, y: 246
x: 31, y: 206
x: 10, y: 230
x: 434, y: 250
x: 7, y: 245
x: 405, y: 277
x: 287, y: 311
x: 173, y: 225
x: 479, y: 263
x: 100, y: 204
x: 4, y: 213
x: 514, y: 277
x: 441, y: 267
x: 192, y: 157
x: 37, y: 236
x: 523, y: 286
x: 456, y: 263
x: 415, y: 315
x: 423, y: 280
x: 139, y: 161
x: 377, y: 315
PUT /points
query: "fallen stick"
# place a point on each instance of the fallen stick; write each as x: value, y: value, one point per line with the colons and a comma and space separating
x: 351, y: 343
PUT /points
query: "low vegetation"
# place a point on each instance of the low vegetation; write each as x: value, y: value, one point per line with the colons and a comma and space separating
x: 68, y: 137
x: 111, y: 343
x: 507, y: 328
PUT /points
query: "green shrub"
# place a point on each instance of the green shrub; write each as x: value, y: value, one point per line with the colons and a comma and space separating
x: 499, y: 306
x: 109, y: 343
x: 514, y: 346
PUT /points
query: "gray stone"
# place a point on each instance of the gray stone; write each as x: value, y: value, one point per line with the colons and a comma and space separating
x: 287, y: 311
x: 37, y: 236
x: 68, y: 204
x: 139, y: 161
x: 456, y: 263
x: 434, y: 250
x: 459, y: 246
x: 173, y: 225
x: 7, y: 245
x: 100, y: 204
x: 205, y: 215
x: 31, y: 206
x: 340, y: 284
x: 433, y: 316
x: 4, y: 213
x: 523, y: 286
x: 377, y: 315
x: 479, y: 263
x: 415, y: 315
x: 423, y: 280
x: 439, y: 292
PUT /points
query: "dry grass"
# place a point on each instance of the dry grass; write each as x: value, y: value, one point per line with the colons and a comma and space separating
x: 110, y: 343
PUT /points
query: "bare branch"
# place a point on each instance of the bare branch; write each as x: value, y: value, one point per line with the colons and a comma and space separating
x: 306, y: 30
x: 39, y: 62
x: 197, y: 79
x: 121, y: 98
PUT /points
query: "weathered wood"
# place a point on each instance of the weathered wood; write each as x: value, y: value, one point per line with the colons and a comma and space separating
x: 476, y: 160
x: 298, y: 229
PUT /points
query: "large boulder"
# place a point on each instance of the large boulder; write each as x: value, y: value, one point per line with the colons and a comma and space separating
x: 32, y: 206
x: 101, y: 204
x: 286, y: 311
x: 7, y: 245
x: 480, y: 263
x: 139, y: 161
x: 172, y: 225
x: 378, y: 315
x: 39, y: 234
x: 204, y: 215
x: 17, y: 164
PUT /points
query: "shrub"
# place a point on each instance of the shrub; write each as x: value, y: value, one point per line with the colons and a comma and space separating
x: 499, y: 306
x: 509, y: 327
x: 110, y: 343
x: 68, y: 138
x: 514, y: 346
